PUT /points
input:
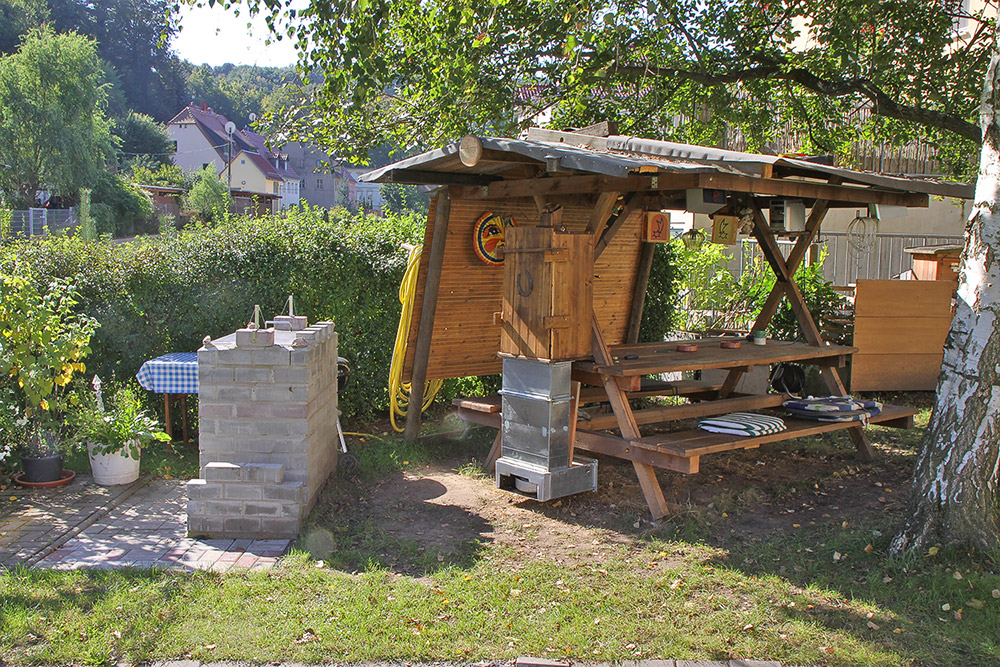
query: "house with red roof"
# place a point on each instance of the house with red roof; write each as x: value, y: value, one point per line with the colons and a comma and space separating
x: 259, y: 180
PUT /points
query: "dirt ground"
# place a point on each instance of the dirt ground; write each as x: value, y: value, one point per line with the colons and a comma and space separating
x: 447, y: 511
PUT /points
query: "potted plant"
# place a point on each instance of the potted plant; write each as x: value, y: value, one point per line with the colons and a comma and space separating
x: 42, y: 346
x: 115, y: 434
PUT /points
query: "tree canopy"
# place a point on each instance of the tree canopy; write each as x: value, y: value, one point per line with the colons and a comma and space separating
x: 54, y: 133
x: 424, y: 72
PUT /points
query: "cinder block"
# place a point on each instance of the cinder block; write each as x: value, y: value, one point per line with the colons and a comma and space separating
x: 279, y: 527
x: 214, y: 373
x: 300, y: 356
x: 196, y: 508
x: 234, y: 357
x: 250, y: 374
x: 242, y: 491
x: 214, y: 409
x: 276, y: 355
x: 271, y: 428
x: 289, y: 491
x: 263, y: 473
x: 242, y: 526
x: 279, y: 393
x: 207, y: 357
x: 290, y: 374
x: 221, y: 508
x: 254, y: 338
x: 252, y: 410
x: 234, y: 427
x: 264, y: 509
x: 200, y: 489
x: 290, y: 411
x: 222, y: 472
x: 223, y: 445
x: 234, y: 393
x: 205, y: 525
x: 257, y: 445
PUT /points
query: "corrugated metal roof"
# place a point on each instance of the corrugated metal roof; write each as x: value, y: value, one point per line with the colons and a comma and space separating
x: 619, y: 156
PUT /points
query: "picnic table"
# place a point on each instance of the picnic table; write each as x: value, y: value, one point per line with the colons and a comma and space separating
x: 175, y: 375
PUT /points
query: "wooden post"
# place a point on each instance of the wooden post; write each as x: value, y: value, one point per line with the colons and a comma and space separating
x: 639, y: 293
x: 629, y: 427
x: 422, y: 347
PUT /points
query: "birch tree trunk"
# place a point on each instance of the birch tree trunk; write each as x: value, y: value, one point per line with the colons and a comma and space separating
x: 955, y: 496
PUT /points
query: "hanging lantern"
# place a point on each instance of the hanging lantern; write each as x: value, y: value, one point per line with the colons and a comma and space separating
x: 693, y: 239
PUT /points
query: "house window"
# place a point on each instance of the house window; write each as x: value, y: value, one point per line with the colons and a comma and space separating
x: 319, y: 183
x: 275, y: 188
x: 243, y: 161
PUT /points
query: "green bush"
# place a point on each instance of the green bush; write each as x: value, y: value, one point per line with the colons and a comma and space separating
x: 659, y: 310
x: 164, y: 294
x: 714, y: 298
x: 120, y: 208
x: 208, y: 198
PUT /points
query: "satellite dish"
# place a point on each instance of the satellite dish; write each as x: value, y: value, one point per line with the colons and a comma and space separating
x: 253, y: 117
x: 230, y: 128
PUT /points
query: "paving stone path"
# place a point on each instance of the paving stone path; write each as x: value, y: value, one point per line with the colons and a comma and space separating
x: 137, y: 525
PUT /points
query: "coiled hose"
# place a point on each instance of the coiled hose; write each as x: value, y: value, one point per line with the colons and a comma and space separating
x: 399, y: 391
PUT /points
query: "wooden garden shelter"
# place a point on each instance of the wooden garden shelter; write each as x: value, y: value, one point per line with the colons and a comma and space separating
x: 602, y: 186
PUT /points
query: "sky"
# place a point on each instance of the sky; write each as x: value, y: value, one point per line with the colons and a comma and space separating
x: 215, y: 36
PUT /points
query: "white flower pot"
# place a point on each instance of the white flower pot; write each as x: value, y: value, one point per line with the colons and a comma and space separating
x: 116, y: 468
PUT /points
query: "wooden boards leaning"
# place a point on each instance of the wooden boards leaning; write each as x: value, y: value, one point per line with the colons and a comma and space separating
x: 899, y: 330
x: 466, y: 335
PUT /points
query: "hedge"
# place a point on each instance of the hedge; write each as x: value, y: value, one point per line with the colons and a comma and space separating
x: 165, y: 294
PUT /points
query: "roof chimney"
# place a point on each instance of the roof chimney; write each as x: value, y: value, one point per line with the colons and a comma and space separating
x: 204, y: 106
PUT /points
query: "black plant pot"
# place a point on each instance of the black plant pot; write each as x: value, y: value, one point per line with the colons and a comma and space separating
x: 42, y: 468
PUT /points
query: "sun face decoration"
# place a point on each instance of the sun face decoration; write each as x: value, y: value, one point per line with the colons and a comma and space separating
x: 489, y: 238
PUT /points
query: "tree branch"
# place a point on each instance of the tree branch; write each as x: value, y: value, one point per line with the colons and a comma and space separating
x: 882, y: 104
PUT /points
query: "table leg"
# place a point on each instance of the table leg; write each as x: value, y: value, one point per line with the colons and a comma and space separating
x: 495, y: 451
x: 167, y: 425
x: 184, y: 418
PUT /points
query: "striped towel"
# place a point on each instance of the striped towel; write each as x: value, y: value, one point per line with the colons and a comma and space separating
x: 834, y: 409
x: 743, y: 423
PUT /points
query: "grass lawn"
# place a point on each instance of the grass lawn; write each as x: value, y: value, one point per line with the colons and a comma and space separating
x: 777, y: 553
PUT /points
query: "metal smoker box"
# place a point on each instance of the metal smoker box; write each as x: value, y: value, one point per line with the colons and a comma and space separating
x: 536, y: 406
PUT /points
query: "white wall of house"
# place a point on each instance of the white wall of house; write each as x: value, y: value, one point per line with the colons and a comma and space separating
x: 289, y: 193
x: 369, y: 195
x: 194, y: 150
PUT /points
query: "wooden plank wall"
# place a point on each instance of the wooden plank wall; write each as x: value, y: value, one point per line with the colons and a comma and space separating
x: 466, y: 338
x: 899, y: 330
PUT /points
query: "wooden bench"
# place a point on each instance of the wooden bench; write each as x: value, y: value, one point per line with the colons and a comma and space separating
x: 681, y: 451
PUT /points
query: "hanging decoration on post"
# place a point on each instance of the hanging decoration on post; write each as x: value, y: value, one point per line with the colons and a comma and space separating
x: 693, y: 239
x: 657, y: 229
x: 724, y: 228
x: 489, y: 237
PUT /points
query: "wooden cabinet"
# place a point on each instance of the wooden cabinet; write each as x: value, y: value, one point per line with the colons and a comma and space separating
x: 548, y: 294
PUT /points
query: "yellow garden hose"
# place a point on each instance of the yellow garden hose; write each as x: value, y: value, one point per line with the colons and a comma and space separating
x: 399, y: 391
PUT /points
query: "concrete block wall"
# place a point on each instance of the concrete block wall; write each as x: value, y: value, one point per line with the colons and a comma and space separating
x: 267, y: 433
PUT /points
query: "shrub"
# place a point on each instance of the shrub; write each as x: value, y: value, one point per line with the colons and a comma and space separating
x: 208, y: 198
x: 119, y: 208
x: 164, y: 294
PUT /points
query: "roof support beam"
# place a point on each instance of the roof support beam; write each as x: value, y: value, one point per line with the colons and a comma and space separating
x: 668, y: 182
x: 776, y: 187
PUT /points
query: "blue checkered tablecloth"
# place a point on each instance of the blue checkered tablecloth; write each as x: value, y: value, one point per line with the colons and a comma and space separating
x: 174, y: 373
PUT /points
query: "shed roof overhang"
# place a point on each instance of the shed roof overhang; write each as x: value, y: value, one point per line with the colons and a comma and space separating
x: 551, y: 163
